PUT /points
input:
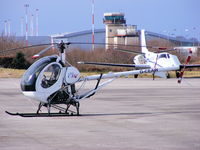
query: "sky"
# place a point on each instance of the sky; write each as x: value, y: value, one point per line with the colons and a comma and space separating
x: 169, y: 17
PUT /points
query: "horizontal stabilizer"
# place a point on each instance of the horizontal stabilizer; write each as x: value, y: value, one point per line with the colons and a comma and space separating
x: 190, y: 66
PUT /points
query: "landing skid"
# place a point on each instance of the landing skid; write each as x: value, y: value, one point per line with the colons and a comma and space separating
x: 60, y: 114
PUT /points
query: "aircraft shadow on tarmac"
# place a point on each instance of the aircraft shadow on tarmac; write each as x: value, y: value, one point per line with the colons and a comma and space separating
x: 140, y: 113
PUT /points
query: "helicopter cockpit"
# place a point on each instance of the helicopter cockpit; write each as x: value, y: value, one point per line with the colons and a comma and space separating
x: 50, y: 75
x: 28, y: 81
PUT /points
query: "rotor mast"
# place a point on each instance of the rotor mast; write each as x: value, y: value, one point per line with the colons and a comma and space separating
x: 62, y: 48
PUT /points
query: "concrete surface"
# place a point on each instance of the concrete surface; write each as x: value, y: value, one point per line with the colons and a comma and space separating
x: 128, y: 114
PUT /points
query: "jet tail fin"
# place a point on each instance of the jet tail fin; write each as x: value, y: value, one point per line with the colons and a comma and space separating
x: 143, y: 42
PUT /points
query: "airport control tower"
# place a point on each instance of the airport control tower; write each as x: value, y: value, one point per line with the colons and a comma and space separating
x: 117, y: 32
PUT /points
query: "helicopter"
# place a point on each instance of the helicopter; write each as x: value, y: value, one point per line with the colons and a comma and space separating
x: 152, y: 61
x: 51, y: 81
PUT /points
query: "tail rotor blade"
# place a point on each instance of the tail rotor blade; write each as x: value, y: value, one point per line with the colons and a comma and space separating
x: 183, y: 70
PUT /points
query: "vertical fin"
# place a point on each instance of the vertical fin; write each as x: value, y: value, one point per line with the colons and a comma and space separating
x: 143, y: 42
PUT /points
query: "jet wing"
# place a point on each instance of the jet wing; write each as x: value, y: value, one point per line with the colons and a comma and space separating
x: 116, y: 65
x: 190, y: 66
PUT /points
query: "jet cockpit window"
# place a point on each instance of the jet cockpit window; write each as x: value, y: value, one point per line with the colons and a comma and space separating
x: 168, y: 56
x: 50, y: 75
x: 162, y: 56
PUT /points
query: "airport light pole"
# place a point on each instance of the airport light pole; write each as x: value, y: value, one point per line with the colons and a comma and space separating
x: 37, y: 26
x: 26, y: 11
x: 92, y: 24
x: 5, y: 27
x: 8, y: 23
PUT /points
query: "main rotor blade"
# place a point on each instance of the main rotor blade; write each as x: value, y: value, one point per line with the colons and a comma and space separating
x: 104, y: 44
x: 14, y: 49
x: 168, y: 50
x: 109, y: 44
x: 43, y: 51
x: 190, y: 66
x: 160, y: 49
x: 128, y: 51
x: 136, y: 52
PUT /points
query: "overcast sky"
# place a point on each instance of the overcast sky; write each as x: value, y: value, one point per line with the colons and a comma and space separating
x: 58, y: 16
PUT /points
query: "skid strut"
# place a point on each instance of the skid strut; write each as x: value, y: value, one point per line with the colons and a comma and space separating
x: 39, y: 115
x: 62, y: 111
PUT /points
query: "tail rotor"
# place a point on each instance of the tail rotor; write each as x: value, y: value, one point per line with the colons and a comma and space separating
x: 183, y: 70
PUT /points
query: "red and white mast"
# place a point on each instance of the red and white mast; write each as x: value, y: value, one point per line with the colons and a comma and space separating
x: 92, y: 24
x: 31, y: 25
x: 22, y: 26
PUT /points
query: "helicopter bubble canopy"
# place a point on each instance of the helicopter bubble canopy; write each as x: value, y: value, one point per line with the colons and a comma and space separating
x: 28, y: 81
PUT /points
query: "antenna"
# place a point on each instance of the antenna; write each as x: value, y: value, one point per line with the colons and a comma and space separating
x: 92, y: 24
x: 37, y: 10
x: 26, y: 11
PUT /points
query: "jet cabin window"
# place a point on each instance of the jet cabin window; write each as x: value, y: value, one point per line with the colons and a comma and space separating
x: 50, y: 76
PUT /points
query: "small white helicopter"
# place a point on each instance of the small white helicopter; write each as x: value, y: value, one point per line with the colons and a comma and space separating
x: 156, y: 63
x: 51, y: 80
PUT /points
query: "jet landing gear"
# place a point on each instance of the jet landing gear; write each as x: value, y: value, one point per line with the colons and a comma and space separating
x: 177, y: 74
